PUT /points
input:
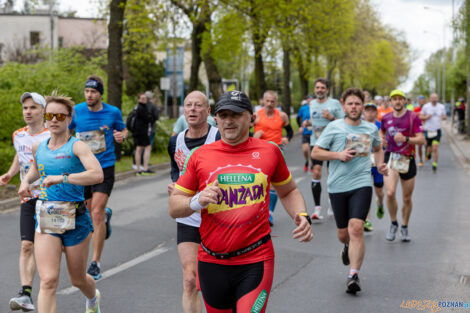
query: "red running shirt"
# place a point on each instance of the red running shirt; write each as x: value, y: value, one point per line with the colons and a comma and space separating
x: 240, y: 218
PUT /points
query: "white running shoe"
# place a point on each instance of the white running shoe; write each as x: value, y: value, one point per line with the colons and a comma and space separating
x: 22, y: 302
x: 96, y: 309
x: 330, y: 212
x: 316, y: 213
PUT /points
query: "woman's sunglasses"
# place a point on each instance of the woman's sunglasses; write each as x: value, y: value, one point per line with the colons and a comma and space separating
x: 59, y: 116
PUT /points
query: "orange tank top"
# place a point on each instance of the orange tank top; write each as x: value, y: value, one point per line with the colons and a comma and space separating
x: 271, y: 126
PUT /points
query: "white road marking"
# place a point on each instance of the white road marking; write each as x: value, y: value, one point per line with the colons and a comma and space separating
x: 299, y: 179
x: 160, y: 249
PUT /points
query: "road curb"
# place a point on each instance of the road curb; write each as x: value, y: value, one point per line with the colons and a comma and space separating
x: 463, y: 158
x: 13, y: 203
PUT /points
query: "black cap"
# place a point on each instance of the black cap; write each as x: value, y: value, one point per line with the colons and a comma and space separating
x: 235, y: 101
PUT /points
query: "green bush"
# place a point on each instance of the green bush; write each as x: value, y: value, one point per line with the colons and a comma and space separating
x: 64, y: 70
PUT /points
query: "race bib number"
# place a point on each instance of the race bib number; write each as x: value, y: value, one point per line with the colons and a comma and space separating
x: 359, y: 143
x: 94, y: 139
x: 399, y: 162
x: 318, y: 131
x: 55, y: 217
x: 432, y: 134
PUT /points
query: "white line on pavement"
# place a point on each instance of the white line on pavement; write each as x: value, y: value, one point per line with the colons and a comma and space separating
x: 160, y: 249
x: 299, y: 179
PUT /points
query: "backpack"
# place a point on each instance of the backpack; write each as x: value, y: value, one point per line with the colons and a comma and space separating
x: 131, y: 118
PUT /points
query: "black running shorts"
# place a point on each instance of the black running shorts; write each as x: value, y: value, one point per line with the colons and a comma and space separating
x: 105, y: 187
x: 236, y: 288
x: 437, y: 138
x: 351, y: 204
x: 27, y: 222
x: 186, y: 233
x: 411, y: 171
x: 305, y: 139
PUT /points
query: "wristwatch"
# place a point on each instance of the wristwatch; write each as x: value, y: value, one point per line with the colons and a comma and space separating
x: 407, y: 138
x: 309, y: 220
x: 65, y: 178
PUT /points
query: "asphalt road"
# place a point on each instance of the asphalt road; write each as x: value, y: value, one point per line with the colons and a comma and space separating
x: 142, y: 271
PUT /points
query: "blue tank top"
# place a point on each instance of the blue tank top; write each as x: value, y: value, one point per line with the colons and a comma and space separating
x: 59, y: 162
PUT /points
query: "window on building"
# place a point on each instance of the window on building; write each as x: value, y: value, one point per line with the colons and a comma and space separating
x: 34, y: 38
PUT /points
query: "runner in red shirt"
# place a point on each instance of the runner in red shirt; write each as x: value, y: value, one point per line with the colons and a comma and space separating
x: 228, y: 181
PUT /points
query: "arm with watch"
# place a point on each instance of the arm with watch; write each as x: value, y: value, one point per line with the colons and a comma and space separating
x: 92, y: 175
x: 417, y: 139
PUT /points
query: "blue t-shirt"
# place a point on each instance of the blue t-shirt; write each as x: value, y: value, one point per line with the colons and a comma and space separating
x: 59, y: 162
x: 347, y: 176
x: 96, y: 130
x: 304, y: 114
x: 316, y: 115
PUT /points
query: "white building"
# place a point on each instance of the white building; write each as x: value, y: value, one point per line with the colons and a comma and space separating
x: 21, y: 32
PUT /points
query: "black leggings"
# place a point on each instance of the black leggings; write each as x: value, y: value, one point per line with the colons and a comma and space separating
x: 351, y: 204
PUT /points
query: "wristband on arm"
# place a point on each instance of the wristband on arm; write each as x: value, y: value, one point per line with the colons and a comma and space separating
x: 194, y: 203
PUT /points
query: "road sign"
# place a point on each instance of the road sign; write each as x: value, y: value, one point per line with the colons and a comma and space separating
x: 165, y: 83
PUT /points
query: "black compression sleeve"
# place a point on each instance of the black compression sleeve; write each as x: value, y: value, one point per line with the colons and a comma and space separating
x: 290, y: 132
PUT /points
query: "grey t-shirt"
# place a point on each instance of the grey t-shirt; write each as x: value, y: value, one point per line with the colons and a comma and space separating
x: 354, y: 174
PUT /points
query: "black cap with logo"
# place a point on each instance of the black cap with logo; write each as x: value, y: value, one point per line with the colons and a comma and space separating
x: 235, y: 101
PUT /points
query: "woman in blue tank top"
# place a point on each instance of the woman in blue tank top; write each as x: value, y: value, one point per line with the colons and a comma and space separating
x: 64, y: 164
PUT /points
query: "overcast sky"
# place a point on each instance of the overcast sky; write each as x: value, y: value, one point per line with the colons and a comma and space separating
x: 423, y: 28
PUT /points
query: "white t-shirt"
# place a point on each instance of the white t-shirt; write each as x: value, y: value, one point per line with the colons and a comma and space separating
x: 23, y: 142
x: 436, y: 112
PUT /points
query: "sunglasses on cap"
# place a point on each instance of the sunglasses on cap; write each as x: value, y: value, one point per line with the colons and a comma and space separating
x: 59, y: 116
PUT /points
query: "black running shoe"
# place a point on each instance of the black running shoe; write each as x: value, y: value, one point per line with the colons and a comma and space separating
x: 353, y: 284
x: 345, y: 255
x: 94, y: 270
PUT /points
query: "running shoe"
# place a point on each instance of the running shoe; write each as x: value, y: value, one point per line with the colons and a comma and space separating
x: 405, y: 237
x: 434, y: 167
x: 345, y: 255
x: 96, y: 309
x: 380, y: 210
x: 330, y: 212
x: 316, y: 214
x: 368, y: 226
x: 94, y: 270
x: 353, y: 284
x: 107, y: 219
x: 420, y: 164
x: 22, y: 302
x: 392, y: 232
x: 139, y: 173
x: 306, y: 167
x: 147, y: 173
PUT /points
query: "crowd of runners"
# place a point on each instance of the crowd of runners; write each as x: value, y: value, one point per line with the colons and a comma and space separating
x: 225, y: 185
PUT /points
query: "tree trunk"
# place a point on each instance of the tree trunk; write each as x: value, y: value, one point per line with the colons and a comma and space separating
x: 467, y: 49
x: 286, y: 94
x: 196, y: 59
x: 215, y: 80
x: 260, y: 81
x: 116, y: 18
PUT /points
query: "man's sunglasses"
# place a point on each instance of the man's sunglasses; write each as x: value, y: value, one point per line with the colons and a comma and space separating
x: 59, y: 116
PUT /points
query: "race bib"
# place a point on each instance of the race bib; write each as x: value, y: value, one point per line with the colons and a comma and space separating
x: 359, y: 143
x: 24, y: 169
x: 55, y: 217
x: 318, y: 131
x: 94, y: 139
x: 399, y: 162
x: 432, y: 134
x: 372, y: 160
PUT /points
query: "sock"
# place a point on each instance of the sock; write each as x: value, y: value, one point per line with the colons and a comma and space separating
x: 404, y: 226
x: 27, y: 290
x: 352, y: 272
x: 316, y: 191
x: 91, y: 303
x: 395, y: 223
x: 272, y: 200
